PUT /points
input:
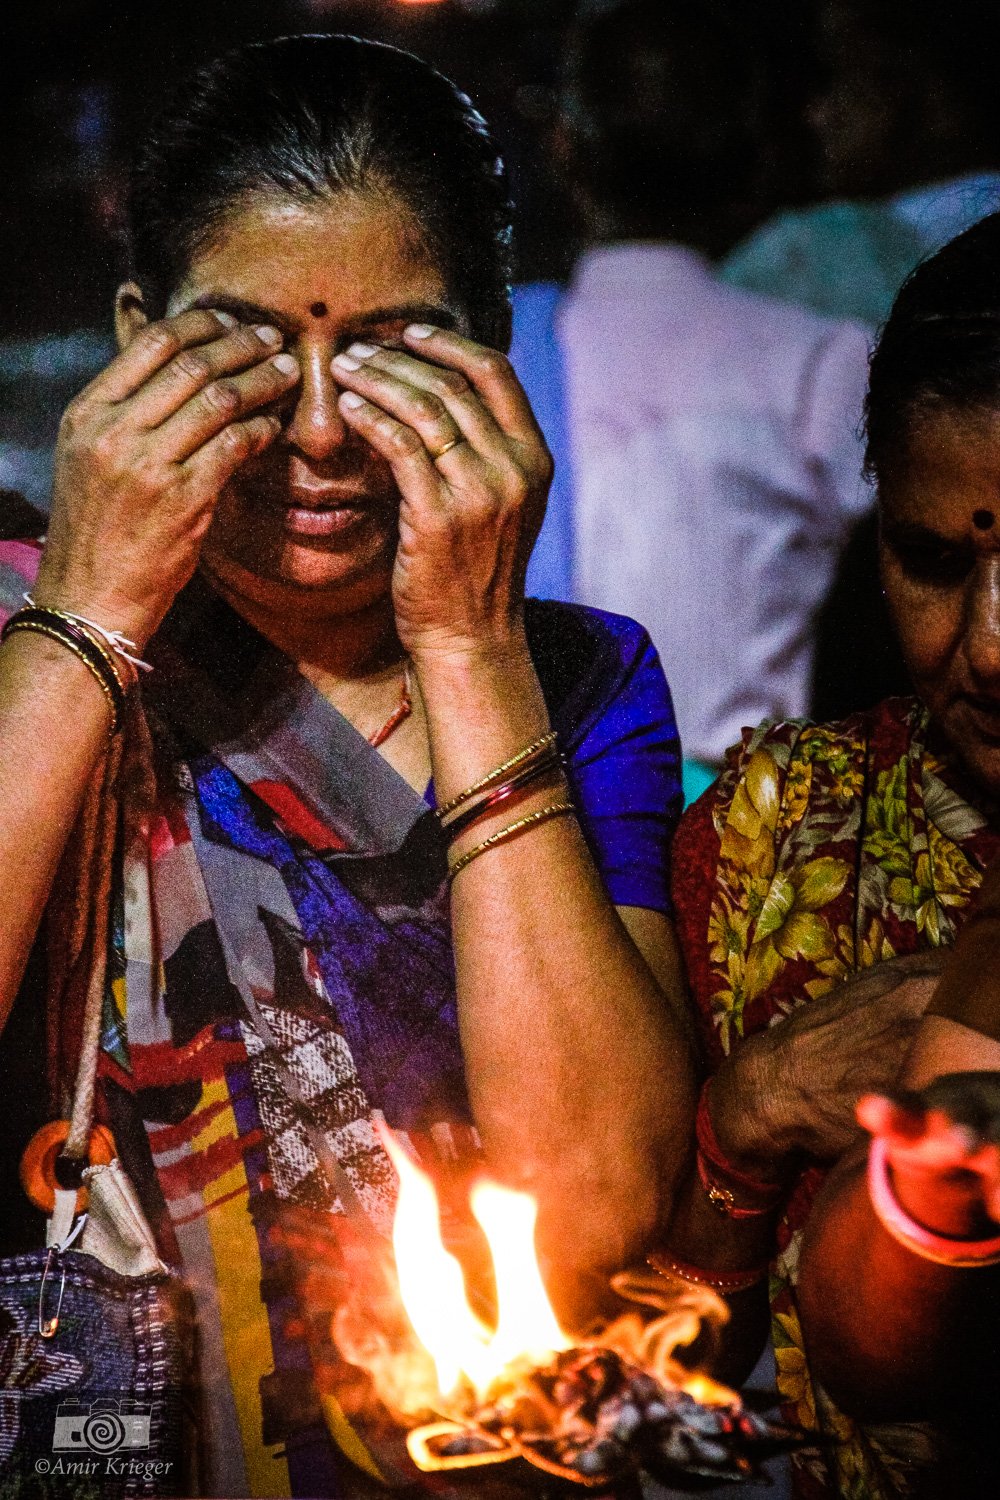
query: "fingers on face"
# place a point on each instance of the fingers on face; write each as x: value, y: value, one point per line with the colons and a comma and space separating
x: 402, y: 447
x: 225, y: 399
x: 488, y: 371
x: 438, y: 403
x: 191, y: 371
x: 216, y: 461
x: 177, y: 361
x: 153, y: 348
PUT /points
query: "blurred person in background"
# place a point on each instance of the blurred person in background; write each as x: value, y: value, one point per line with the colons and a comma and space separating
x: 710, y: 464
x: 906, y: 123
x: 819, y: 887
x: 909, y: 156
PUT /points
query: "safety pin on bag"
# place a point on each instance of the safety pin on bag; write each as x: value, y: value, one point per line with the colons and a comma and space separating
x: 47, y: 1327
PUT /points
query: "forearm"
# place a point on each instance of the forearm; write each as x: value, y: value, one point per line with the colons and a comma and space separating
x: 53, y: 726
x: 892, y: 1336
x: 579, y: 1069
x: 890, y: 1332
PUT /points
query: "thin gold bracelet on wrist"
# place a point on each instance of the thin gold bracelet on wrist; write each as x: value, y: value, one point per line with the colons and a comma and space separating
x: 554, y: 810
x: 113, y: 658
x: 497, y: 774
x: 36, y: 627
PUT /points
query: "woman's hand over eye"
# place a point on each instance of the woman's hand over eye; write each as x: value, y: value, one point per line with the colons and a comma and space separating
x: 473, y: 471
x: 943, y: 1148
x: 142, y: 456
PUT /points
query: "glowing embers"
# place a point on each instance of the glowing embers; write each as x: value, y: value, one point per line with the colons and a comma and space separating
x: 593, y: 1412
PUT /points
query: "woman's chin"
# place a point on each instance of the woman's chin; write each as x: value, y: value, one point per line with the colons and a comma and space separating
x: 294, y: 572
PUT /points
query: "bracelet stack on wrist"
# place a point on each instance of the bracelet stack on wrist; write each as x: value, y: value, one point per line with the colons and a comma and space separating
x: 943, y: 1249
x: 512, y: 779
x: 107, y: 654
x: 727, y: 1283
x: 731, y: 1192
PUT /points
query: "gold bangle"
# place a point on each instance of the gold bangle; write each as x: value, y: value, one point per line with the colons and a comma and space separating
x: 500, y: 771
x: 554, y: 810
x: 99, y: 642
x: 37, y: 628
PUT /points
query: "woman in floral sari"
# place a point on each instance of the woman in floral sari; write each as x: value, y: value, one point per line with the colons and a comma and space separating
x: 384, y: 843
x: 818, y: 887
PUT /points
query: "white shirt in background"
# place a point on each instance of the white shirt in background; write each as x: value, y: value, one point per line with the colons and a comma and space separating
x: 716, y: 473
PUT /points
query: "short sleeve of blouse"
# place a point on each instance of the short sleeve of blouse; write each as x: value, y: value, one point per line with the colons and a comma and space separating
x: 610, y: 702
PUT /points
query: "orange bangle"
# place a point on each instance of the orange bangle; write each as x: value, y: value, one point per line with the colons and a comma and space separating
x: 38, y: 1164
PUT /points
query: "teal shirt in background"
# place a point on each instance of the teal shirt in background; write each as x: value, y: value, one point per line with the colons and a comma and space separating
x: 849, y: 259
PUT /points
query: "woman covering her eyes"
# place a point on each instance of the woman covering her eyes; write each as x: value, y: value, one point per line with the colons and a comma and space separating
x: 377, y: 839
x: 818, y: 888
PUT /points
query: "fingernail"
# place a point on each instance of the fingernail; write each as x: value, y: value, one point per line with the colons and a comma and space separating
x: 346, y: 362
x: 226, y: 319
x: 362, y: 351
x: 352, y: 400
x: 420, y: 331
x: 268, y: 335
x: 286, y: 363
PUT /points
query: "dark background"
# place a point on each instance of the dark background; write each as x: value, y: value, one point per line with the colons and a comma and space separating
x: 80, y: 78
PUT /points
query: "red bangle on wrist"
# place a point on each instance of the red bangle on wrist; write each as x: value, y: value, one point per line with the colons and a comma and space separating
x: 727, y: 1283
x: 723, y: 1182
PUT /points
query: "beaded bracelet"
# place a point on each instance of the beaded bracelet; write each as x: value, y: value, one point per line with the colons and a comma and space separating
x: 725, y: 1282
x: 943, y: 1249
x: 65, y: 633
x: 492, y: 777
x: 546, y: 763
x: 554, y: 810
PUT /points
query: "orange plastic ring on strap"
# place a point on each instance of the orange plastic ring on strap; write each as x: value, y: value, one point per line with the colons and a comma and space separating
x: 38, y: 1164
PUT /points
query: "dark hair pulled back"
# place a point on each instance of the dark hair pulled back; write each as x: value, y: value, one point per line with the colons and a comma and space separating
x: 310, y: 116
x: 940, y: 347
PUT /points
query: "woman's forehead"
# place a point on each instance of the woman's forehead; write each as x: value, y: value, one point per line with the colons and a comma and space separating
x: 339, y: 258
x: 948, y: 471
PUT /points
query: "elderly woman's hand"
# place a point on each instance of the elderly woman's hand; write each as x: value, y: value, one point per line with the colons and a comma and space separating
x: 790, y: 1092
x: 142, y: 456
x: 942, y: 1145
x: 473, y: 472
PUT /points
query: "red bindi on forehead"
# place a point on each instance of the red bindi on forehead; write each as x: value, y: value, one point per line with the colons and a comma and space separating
x: 318, y: 309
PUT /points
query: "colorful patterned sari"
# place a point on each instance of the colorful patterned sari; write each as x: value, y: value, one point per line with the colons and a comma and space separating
x: 281, y: 978
x: 823, y: 850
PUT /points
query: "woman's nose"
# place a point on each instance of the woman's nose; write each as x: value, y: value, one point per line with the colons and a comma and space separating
x: 982, y: 623
x: 316, y: 427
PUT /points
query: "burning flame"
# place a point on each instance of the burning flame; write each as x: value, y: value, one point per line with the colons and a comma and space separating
x: 588, y: 1412
x: 432, y: 1287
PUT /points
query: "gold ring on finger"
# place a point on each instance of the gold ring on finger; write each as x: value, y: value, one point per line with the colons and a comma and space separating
x: 446, y: 448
